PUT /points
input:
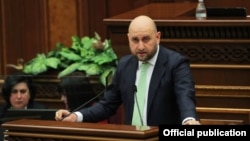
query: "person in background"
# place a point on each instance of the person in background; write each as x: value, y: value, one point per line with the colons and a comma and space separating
x: 19, y: 92
x: 75, y: 89
x: 170, y: 91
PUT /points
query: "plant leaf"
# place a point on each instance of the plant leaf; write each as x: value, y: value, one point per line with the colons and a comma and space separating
x: 52, y: 62
x: 107, y: 76
x: 94, y: 69
x: 69, y: 69
x: 71, y: 56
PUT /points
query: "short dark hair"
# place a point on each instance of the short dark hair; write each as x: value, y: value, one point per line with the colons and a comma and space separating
x: 14, y: 79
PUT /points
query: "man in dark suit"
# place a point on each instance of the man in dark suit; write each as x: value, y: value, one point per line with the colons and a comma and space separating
x: 170, y: 92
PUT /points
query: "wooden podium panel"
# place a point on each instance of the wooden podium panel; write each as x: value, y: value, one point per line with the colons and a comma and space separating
x: 33, y: 130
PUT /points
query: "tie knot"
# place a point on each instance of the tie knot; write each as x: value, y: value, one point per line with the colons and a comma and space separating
x: 144, y: 66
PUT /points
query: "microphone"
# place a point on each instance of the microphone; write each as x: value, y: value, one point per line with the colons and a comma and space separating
x: 91, y: 100
x: 137, y: 105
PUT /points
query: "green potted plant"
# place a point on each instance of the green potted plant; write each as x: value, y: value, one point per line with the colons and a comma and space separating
x: 88, y: 54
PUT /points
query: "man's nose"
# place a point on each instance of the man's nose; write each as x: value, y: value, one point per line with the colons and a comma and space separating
x: 140, y: 45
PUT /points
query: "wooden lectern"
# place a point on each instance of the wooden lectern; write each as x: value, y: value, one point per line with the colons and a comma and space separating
x: 45, y: 130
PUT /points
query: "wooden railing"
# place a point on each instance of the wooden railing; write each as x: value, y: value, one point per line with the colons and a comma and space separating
x: 223, y: 116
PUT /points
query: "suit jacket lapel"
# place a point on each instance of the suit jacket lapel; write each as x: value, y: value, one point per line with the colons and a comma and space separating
x: 131, y: 75
x: 156, y: 76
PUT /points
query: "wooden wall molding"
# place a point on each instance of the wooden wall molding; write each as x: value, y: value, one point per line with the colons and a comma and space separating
x: 222, y: 91
x: 219, y: 66
x: 206, y: 32
x: 214, y: 52
x: 2, y: 37
x: 223, y: 116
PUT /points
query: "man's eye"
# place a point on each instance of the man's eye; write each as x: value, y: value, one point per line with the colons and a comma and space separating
x: 146, y: 39
x: 135, y: 40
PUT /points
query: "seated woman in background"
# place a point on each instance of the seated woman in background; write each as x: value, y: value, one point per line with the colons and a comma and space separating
x: 19, y: 92
x: 75, y: 90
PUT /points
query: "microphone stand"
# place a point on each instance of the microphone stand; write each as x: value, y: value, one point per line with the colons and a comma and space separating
x: 92, y: 99
x: 137, y: 105
x: 84, y: 104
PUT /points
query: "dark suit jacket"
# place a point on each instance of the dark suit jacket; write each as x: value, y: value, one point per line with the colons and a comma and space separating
x: 171, y: 93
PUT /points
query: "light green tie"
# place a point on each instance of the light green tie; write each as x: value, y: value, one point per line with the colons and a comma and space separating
x: 141, y: 92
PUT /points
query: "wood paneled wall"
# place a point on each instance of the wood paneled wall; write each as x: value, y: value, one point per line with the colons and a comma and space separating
x: 29, y: 27
x: 24, y: 31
